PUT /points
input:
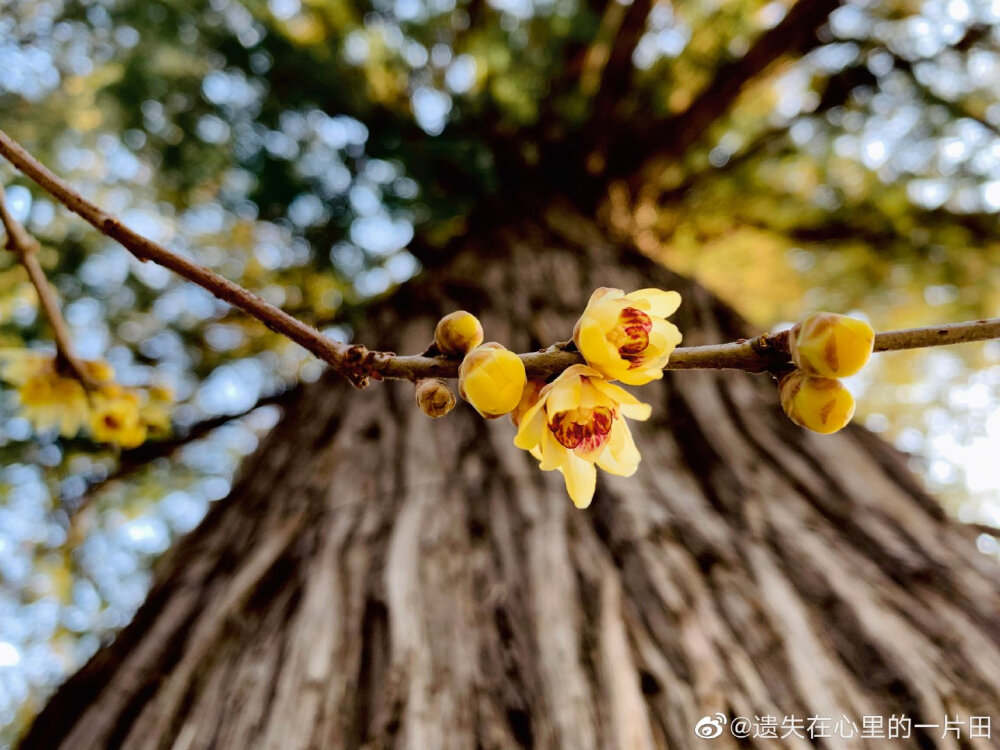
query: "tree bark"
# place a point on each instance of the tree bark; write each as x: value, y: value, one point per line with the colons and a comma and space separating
x: 378, y: 579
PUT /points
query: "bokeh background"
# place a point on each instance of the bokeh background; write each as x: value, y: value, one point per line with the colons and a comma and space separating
x: 300, y: 146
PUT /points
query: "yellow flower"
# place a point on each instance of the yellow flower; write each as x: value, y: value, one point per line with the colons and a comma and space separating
x: 155, y: 412
x: 626, y: 337
x: 820, y: 404
x: 115, y: 417
x: 17, y: 366
x: 831, y: 345
x: 491, y: 379
x: 98, y: 370
x: 48, y: 401
x: 457, y: 333
x: 577, y: 422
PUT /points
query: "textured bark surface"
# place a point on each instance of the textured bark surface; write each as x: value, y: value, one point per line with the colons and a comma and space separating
x: 379, y: 579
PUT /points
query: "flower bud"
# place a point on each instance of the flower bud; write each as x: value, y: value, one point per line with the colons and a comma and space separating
x: 492, y: 379
x: 458, y: 333
x: 831, y: 345
x: 529, y: 397
x: 98, y: 370
x: 434, y: 397
x: 819, y: 404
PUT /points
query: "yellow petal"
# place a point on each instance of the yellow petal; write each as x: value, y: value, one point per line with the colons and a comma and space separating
x: 621, y: 457
x: 641, y: 375
x: 529, y: 434
x: 581, y: 480
x: 665, y: 334
x: 554, y: 455
x: 604, y: 293
x: 565, y: 394
x: 594, y: 345
x: 660, y: 303
x: 630, y: 406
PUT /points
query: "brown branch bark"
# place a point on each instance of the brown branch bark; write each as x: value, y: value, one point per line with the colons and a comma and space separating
x: 25, y: 248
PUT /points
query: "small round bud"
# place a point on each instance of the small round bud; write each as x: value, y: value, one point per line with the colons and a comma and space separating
x: 458, y: 333
x: 529, y: 397
x: 831, y: 345
x: 819, y: 404
x: 434, y: 397
x: 491, y: 379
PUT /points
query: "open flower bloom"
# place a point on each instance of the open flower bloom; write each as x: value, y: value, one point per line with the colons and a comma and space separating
x: 625, y: 336
x: 115, y: 417
x: 50, y: 399
x: 577, y: 422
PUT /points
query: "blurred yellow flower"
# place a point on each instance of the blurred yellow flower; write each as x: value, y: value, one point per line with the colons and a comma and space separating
x: 831, y: 345
x: 626, y: 337
x: 491, y: 379
x: 50, y: 401
x: 48, y: 398
x: 819, y: 404
x: 577, y: 422
x: 115, y: 417
x: 156, y: 410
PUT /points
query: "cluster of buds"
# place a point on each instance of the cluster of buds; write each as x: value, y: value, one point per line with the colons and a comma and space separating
x: 824, y: 348
x: 576, y: 422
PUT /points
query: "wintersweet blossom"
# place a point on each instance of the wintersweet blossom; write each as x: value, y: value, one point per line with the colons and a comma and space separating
x: 491, y: 378
x: 115, y: 417
x: 156, y: 409
x: 577, y: 422
x: 626, y: 337
x: 49, y: 401
x: 48, y: 398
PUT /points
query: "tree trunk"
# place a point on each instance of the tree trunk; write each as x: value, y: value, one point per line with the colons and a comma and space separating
x: 380, y: 579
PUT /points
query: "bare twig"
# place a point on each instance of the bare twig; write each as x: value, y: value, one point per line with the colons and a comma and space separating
x: 25, y: 248
x: 359, y: 364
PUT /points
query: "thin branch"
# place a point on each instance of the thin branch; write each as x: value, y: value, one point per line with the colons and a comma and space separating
x: 25, y: 248
x: 359, y: 364
x: 984, y: 528
x: 342, y: 357
x: 762, y: 354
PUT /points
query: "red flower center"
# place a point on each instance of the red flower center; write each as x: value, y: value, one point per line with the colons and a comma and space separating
x: 631, y: 333
x: 585, y: 429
